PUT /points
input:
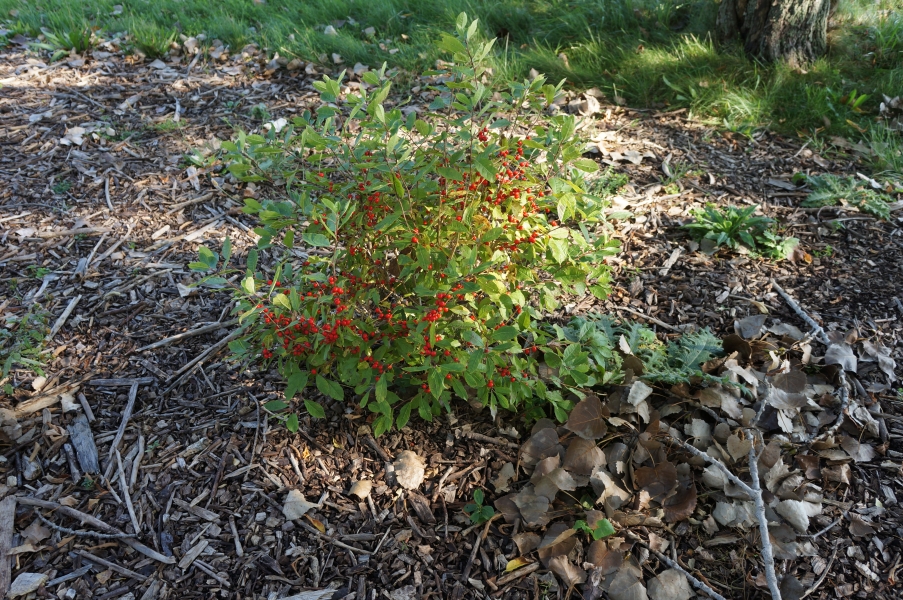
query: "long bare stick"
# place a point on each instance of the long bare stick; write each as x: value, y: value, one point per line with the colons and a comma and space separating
x: 676, y: 566
x: 823, y: 338
x: 767, y: 550
x: 755, y: 491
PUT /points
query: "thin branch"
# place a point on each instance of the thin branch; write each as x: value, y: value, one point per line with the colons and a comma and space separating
x: 676, y: 566
x: 767, y: 549
x: 718, y: 464
x: 823, y: 338
x: 82, y: 532
x: 824, y: 574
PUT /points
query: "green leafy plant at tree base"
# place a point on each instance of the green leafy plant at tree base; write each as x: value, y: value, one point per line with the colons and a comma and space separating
x: 477, y: 511
x: 418, y: 252
x: 734, y: 227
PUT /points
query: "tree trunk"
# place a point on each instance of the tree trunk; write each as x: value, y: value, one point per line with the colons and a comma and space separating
x: 794, y: 31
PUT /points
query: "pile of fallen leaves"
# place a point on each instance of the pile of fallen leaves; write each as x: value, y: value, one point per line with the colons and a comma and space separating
x: 626, y: 458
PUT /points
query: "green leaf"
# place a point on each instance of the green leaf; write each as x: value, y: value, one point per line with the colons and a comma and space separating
x: 291, y: 423
x: 435, y: 379
x: 399, y: 188
x: 315, y: 409
x: 450, y: 174
x: 381, y: 388
x: 505, y: 333
x: 586, y: 165
x: 315, y: 239
x: 603, y: 529
x: 559, y: 250
x: 381, y: 425
x: 252, y: 259
x: 451, y: 44
x: 330, y: 388
x: 485, y: 168
x: 404, y: 415
x: 227, y: 251
x: 478, y: 496
x: 296, y: 383
x: 247, y: 284
x: 275, y: 405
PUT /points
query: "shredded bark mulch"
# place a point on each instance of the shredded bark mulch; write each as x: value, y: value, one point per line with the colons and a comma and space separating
x: 169, y: 449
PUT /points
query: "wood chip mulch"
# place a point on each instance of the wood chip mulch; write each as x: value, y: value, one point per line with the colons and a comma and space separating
x: 186, y: 500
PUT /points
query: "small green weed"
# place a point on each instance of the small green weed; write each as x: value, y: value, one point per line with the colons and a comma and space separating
x: 602, y: 529
x: 830, y: 190
x: 21, y: 343
x: 37, y: 271
x: 734, y: 227
x: 61, y: 187
x: 477, y: 511
x: 150, y: 39
x: 166, y: 125
x: 260, y: 112
x: 72, y: 39
x: 825, y: 252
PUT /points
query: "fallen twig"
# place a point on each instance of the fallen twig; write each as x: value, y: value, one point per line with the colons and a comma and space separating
x: 85, y: 518
x: 185, y: 371
x: 674, y: 565
x: 755, y: 492
x: 67, y: 232
x: 63, y: 317
x: 82, y: 532
x: 110, y: 565
x: 332, y: 540
x: 824, y: 574
x: 7, y: 528
x: 823, y: 338
x: 187, y: 334
x: 648, y: 318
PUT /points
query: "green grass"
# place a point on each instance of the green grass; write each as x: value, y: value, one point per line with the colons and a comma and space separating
x: 653, y: 53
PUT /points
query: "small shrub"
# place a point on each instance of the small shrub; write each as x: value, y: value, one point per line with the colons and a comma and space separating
x: 417, y: 256
x: 734, y: 227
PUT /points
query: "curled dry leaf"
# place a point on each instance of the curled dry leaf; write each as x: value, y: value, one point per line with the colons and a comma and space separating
x: 841, y: 354
x: 409, y: 470
x: 568, y: 572
x: 860, y: 527
x: 558, y: 541
x: 857, y: 450
x: 526, y: 542
x: 603, y: 558
x: 639, y: 391
x: 670, y: 585
x: 587, y: 419
x: 797, y: 513
x: 533, y: 507
x: 609, y: 491
x: 883, y: 356
x: 657, y: 481
x: 504, y: 477
x: 516, y: 563
x: 361, y: 488
x: 750, y: 327
x: 542, y: 444
x: 583, y: 457
x: 681, y: 504
x: 627, y: 585
x: 737, y: 448
x: 549, y: 478
x: 296, y: 506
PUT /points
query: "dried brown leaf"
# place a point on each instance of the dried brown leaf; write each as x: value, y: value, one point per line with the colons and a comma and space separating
x: 542, y: 444
x: 587, y: 419
x: 680, y: 505
x: 558, y: 540
x: 533, y: 507
x: 857, y: 450
x: 409, y: 470
x: 568, y: 572
x: 750, y: 327
x: 583, y: 457
x: 657, y: 481
x: 670, y: 585
x: 526, y: 542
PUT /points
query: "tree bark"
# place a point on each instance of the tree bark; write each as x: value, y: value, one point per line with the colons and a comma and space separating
x: 794, y: 31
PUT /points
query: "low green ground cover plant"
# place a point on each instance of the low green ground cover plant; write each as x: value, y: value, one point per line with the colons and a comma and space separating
x: 831, y: 190
x: 735, y: 227
x: 22, y: 344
